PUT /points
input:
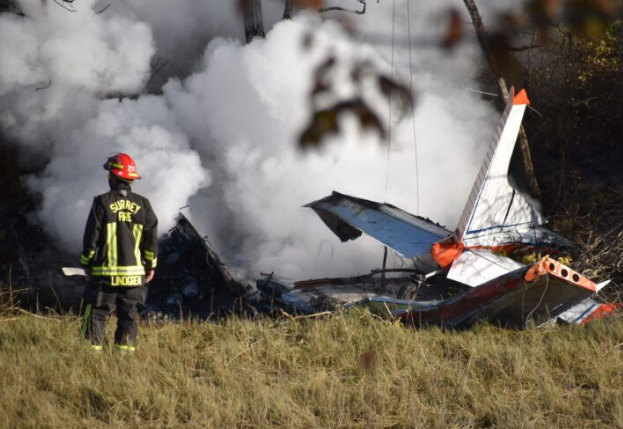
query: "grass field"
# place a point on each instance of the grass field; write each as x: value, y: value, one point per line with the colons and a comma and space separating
x: 348, y: 370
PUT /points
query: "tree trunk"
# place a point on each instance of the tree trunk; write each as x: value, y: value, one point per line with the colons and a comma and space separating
x: 524, y: 146
x: 287, y: 12
x: 253, y: 22
x: 620, y: 110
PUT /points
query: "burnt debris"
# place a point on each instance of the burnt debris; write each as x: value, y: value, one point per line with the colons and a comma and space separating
x: 191, y: 280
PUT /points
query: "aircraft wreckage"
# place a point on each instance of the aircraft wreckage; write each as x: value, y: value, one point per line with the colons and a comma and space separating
x: 463, y: 276
x: 457, y: 277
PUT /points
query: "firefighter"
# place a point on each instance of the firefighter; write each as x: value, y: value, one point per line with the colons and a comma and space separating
x: 120, y: 248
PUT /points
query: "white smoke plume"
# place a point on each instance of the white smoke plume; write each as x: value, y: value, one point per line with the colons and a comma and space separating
x: 223, y: 135
x: 55, y: 65
x: 145, y: 128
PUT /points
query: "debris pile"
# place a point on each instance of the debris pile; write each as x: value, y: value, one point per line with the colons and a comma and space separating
x: 191, y: 280
x: 395, y: 288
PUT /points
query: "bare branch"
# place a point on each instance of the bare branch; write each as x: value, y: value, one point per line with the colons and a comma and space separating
x: 11, y: 6
x: 66, y: 4
x: 342, y: 9
x: 158, y: 64
x: 44, y: 87
x: 104, y: 9
x: 288, y: 9
x: 493, y: 57
x: 525, y: 47
x: 253, y: 19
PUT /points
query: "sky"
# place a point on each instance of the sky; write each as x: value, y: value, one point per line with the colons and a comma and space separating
x: 216, y: 129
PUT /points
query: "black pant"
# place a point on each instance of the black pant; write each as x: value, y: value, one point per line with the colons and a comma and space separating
x: 100, y: 300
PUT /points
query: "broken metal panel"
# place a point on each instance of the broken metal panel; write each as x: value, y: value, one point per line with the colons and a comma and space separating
x: 403, y: 232
x: 74, y: 271
x: 477, y: 266
x: 601, y: 285
x: 392, y: 288
x: 331, y: 294
x: 533, y: 294
x: 391, y: 307
x: 587, y: 311
x: 535, y: 302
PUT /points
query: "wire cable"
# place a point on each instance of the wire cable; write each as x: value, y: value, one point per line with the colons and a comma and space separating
x: 538, y: 304
x: 417, y: 171
x: 389, y: 102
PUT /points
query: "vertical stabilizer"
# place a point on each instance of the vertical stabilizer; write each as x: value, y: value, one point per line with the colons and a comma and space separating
x: 493, y: 204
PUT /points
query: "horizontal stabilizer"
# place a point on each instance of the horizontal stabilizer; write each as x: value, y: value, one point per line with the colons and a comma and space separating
x: 348, y: 217
x: 477, y: 266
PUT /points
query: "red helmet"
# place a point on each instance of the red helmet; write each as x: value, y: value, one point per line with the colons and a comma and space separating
x: 123, y: 166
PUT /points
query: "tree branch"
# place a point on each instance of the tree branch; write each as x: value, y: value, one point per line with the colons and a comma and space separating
x: 288, y: 9
x: 524, y: 146
x: 341, y: 9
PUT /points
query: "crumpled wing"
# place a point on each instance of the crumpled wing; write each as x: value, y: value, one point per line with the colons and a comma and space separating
x: 348, y: 217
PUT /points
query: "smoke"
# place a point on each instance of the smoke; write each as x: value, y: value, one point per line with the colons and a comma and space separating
x: 55, y: 66
x: 221, y: 133
x: 145, y: 128
x: 245, y: 110
x: 181, y: 28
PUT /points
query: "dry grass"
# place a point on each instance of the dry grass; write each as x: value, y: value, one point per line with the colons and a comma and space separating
x: 348, y: 370
x: 599, y: 248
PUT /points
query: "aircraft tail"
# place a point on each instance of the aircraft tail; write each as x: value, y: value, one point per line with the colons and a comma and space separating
x: 494, y: 205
